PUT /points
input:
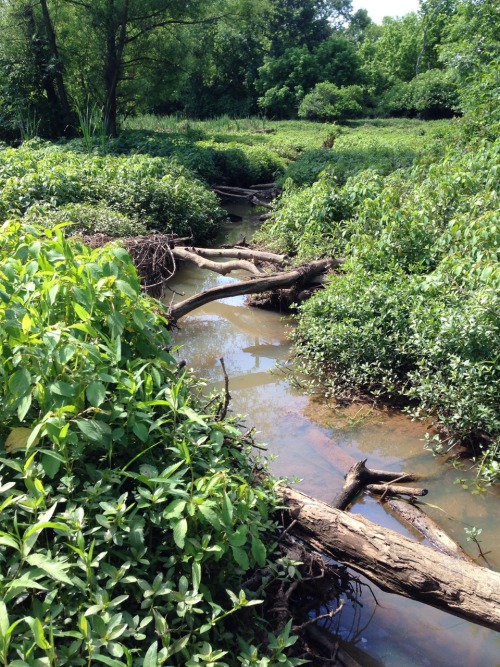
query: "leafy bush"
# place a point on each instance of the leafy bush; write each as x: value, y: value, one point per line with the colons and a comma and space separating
x: 432, y: 94
x: 416, y: 313
x: 131, y: 518
x: 86, y: 219
x: 329, y: 103
x: 151, y: 191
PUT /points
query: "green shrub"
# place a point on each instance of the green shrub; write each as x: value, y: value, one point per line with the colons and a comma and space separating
x: 131, y: 518
x: 432, y: 94
x: 86, y: 219
x: 329, y: 103
x: 416, y: 314
x: 151, y: 192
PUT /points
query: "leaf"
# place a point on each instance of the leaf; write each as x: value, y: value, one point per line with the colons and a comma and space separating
x: 18, y: 439
x: 4, y: 620
x: 180, y: 531
x: 50, y: 464
x: 210, y: 516
x: 24, y: 406
x: 93, y: 430
x: 96, y: 394
x: 259, y: 551
x: 241, y: 557
x: 196, y: 574
x: 81, y: 313
x: 55, y: 569
x: 227, y: 510
x: 61, y: 388
x: 26, y: 323
x: 141, y: 431
x: 151, y: 657
x: 20, y: 382
x: 239, y: 537
x: 108, y: 661
x: 127, y: 289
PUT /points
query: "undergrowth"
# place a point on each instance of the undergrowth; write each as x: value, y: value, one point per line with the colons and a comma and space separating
x: 131, y: 516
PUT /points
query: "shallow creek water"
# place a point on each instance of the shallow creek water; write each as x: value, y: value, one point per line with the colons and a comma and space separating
x: 317, y: 443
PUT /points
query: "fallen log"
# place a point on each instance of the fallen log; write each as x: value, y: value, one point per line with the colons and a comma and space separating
x: 395, y: 490
x: 413, y: 515
x: 238, y: 252
x: 358, y: 476
x: 268, y: 282
x: 218, y: 267
x: 394, y: 562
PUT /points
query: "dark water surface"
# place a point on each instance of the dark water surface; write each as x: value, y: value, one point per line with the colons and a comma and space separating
x: 317, y: 444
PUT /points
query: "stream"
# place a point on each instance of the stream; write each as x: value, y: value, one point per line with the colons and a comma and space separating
x: 317, y: 443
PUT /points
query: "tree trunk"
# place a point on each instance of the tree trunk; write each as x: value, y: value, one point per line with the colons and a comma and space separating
x: 396, y: 563
x: 253, y: 286
x: 67, y: 124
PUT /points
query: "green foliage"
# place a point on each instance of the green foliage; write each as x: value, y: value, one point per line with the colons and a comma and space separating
x: 329, y: 103
x: 283, y: 81
x: 150, y: 192
x: 432, y: 94
x: 131, y: 518
x: 416, y: 314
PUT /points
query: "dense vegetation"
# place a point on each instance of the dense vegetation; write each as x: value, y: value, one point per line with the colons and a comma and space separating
x: 129, y: 512
x: 132, y: 515
x: 65, y: 64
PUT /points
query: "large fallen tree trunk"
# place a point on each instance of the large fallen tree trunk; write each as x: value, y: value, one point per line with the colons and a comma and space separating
x: 268, y: 282
x: 396, y: 563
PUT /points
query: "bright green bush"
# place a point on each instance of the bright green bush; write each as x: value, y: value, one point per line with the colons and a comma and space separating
x: 416, y: 314
x: 131, y: 518
x: 86, y: 219
x: 329, y: 103
x: 151, y: 191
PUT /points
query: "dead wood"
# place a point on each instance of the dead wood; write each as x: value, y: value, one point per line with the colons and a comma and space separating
x: 218, y: 267
x: 358, y: 476
x: 394, y: 562
x: 415, y: 517
x: 239, y: 252
x: 266, y: 216
x: 262, y: 284
x: 258, y: 202
x: 151, y: 254
x: 395, y: 490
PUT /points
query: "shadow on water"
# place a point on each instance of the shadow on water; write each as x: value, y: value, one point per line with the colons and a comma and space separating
x: 318, y: 443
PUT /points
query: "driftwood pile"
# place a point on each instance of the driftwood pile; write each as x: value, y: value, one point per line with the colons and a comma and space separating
x: 257, y: 195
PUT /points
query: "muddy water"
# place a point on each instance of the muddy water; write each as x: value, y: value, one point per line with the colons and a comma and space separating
x: 317, y: 444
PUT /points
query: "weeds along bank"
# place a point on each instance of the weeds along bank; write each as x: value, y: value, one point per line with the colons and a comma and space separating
x: 116, y: 195
x: 414, y: 315
x: 131, y: 516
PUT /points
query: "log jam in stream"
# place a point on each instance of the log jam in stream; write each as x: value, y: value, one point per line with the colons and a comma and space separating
x: 318, y: 444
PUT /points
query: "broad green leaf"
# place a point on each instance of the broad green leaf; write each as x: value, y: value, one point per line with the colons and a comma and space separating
x: 180, y: 531
x: 61, y: 388
x: 96, y: 394
x: 93, y: 430
x: 126, y: 289
x: 24, y: 406
x: 196, y: 575
x: 227, y: 510
x: 151, y: 657
x: 26, y: 323
x: 141, y: 431
x: 8, y: 541
x: 210, y: 516
x: 4, y: 620
x: 81, y: 313
x: 20, y: 382
x: 54, y: 568
x: 51, y: 465
x: 108, y: 661
x: 258, y: 551
x: 241, y: 557
x: 239, y: 537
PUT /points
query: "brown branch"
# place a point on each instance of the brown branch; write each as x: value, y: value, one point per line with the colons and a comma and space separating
x: 227, y: 396
x: 222, y: 268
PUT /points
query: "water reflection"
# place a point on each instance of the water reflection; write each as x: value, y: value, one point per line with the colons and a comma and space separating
x: 319, y: 444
